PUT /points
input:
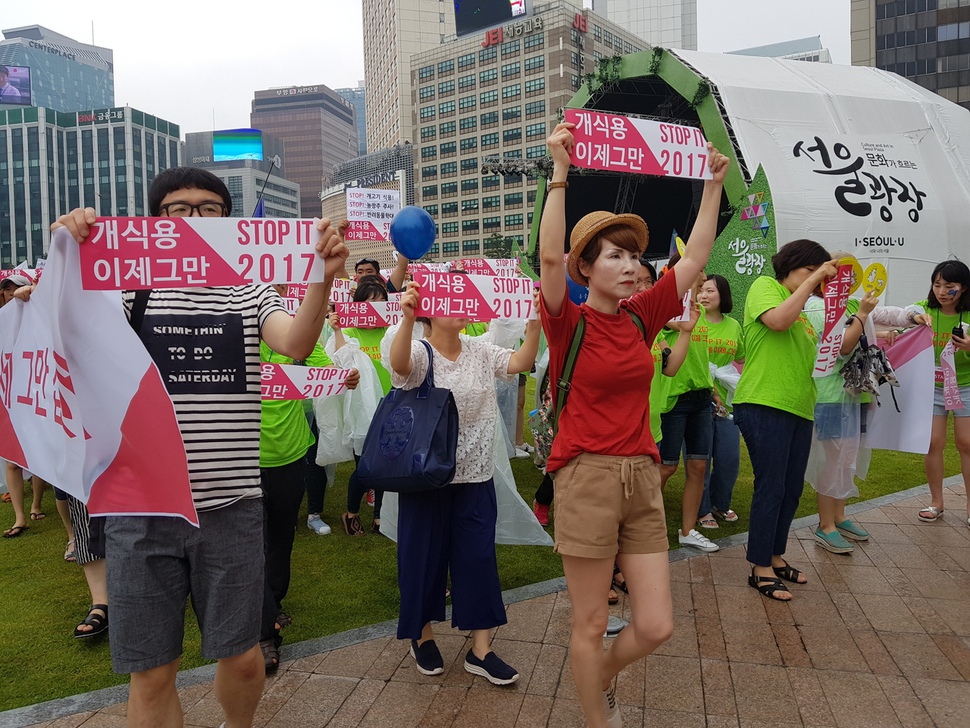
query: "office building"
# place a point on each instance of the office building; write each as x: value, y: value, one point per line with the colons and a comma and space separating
x: 356, y: 97
x: 52, y: 162
x: 318, y: 130
x: 387, y: 169
x: 925, y: 41
x: 65, y: 75
x: 803, y: 49
x: 667, y: 23
x: 488, y: 100
x: 246, y: 160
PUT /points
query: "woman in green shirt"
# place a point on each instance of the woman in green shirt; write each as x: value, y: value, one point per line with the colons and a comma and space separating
x: 775, y: 402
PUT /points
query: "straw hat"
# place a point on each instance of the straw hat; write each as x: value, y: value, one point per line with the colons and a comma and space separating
x: 591, y: 225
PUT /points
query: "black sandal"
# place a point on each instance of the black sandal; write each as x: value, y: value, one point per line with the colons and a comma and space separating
x: 99, y: 622
x: 284, y: 620
x: 271, y: 653
x: 621, y: 585
x: 788, y: 573
x: 352, y: 525
x: 767, y: 586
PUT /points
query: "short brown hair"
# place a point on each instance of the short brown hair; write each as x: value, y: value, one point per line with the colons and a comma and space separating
x: 621, y: 236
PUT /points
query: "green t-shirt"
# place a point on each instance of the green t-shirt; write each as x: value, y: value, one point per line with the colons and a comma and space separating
x: 778, y: 364
x: 284, y: 433
x: 694, y: 373
x: 942, y: 327
x: 475, y: 329
x: 370, y: 344
x: 657, y: 386
x: 725, y: 344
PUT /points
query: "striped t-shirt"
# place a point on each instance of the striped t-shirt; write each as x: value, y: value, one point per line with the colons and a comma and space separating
x: 205, y: 342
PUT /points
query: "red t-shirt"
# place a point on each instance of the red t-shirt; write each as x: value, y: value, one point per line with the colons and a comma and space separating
x: 608, y: 411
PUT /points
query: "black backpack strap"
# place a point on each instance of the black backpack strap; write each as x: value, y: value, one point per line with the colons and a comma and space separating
x: 639, y: 322
x: 563, y: 384
x: 138, y: 307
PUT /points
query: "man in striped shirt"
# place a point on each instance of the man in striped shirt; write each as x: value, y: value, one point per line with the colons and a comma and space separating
x: 155, y: 562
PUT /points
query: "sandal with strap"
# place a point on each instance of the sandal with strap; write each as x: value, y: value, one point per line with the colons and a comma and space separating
x: 15, y: 531
x: 284, y: 620
x: 932, y: 513
x: 97, y: 622
x: 788, y: 573
x: 271, y: 653
x: 617, y: 584
x: 767, y: 586
x: 613, y: 597
x: 352, y: 525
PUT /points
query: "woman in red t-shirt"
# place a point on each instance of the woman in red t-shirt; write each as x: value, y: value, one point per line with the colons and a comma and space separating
x: 604, y: 460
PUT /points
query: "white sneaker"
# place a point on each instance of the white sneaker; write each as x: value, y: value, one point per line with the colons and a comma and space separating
x: 527, y: 447
x: 698, y: 541
x: 519, y: 454
x: 316, y: 524
x: 613, y: 717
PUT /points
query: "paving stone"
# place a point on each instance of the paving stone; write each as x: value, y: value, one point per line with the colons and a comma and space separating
x: 718, y: 689
x: 865, y: 580
x: 681, y: 598
x: 763, y: 693
x: 704, y: 601
x: 353, y: 661
x: 790, y: 644
x: 355, y: 707
x: 955, y: 613
x: 849, y: 610
x: 710, y: 639
x: 919, y: 656
x: 832, y: 648
x: 399, y: 705
x: 874, y: 651
x: 534, y: 712
x: 495, y: 706
x: 899, y: 581
x: 815, y: 609
x: 740, y: 604
x: 548, y: 669
x: 684, y: 639
x: 812, y: 705
x: 700, y: 569
x: 909, y: 710
x: 528, y: 621
x: 631, y: 683
x: 888, y: 613
x: 104, y: 720
x: 566, y: 713
x: 948, y: 703
x: 856, y: 700
x: 926, y: 615
x: 389, y: 660
x: 957, y: 652
x: 445, y: 707
x: 315, y: 702
x: 673, y: 684
x: 751, y: 643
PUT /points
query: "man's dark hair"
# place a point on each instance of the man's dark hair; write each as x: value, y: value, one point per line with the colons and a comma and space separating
x: 185, y: 178
x: 4, y: 70
x: 951, y: 271
x: 798, y: 254
x: 724, y: 291
x: 650, y: 269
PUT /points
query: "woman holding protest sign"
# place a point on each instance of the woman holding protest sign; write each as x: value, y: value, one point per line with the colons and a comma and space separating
x: 775, y: 404
x: 604, y: 459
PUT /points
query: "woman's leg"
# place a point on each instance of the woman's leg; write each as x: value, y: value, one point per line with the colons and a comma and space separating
x: 37, y: 488
x: 423, y: 536
x: 15, y: 486
x: 725, y: 463
x: 588, y: 582
x: 961, y: 434
x: 545, y: 491
x: 800, y: 446
x: 933, y: 462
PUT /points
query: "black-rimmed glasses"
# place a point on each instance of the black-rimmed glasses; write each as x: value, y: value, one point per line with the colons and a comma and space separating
x: 184, y: 209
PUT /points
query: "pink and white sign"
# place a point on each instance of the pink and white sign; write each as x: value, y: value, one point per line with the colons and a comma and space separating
x: 369, y: 314
x: 291, y: 304
x: 907, y: 430
x: 951, y: 390
x: 637, y: 146
x: 342, y: 290
x: 28, y: 272
x: 290, y: 381
x: 480, y: 298
x: 369, y: 212
x: 131, y: 253
x: 835, y: 293
x: 504, y: 267
x: 415, y: 268
x: 102, y: 428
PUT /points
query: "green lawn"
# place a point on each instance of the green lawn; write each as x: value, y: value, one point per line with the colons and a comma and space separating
x: 338, y: 583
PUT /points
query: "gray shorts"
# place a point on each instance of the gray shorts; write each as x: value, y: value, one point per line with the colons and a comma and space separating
x: 155, y: 562
x: 939, y: 403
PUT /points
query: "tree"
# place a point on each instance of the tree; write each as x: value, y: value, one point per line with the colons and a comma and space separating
x: 497, y: 246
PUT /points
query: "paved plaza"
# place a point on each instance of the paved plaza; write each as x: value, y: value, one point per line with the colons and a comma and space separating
x: 878, y: 638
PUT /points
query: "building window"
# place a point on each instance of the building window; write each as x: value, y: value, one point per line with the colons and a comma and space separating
x: 449, y: 229
x: 514, y: 221
x: 466, y: 61
x: 469, y: 246
x: 469, y: 227
x: 509, y: 48
x: 449, y: 209
x: 533, y: 131
x: 491, y: 223
x: 449, y: 169
x: 535, y: 86
x: 447, y: 128
x: 469, y: 123
x: 534, y: 41
x: 428, y: 133
x: 535, y: 152
x: 491, y: 182
x: 488, y: 98
x: 536, y: 63
x: 513, y: 200
x: 511, y: 70
x: 449, y: 189
x: 487, y: 55
x: 429, y: 172
x: 446, y: 108
x: 489, y: 203
x: 426, y: 93
x: 467, y: 102
x: 534, y: 109
x: 511, y: 114
x: 427, y: 112
x: 469, y: 185
x: 466, y: 82
x: 469, y: 164
x: 512, y: 135
x: 488, y: 76
x: 469, y: 205
x: 446, y: 87
x: 429, y: 152
x: 425, y: 72
x: 510, y: 93
x: 431, y: 210
x: 489, y: 120
x: 489, y: 140
x: 429, y: 192
x: 597, y: 32
x: 446, y: 67
x: 469, y: 145
x: 449, y: 248
x: 447, y: 149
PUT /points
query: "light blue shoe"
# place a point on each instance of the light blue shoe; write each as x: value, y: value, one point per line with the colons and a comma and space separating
x: 832, y: 541
x: 852, y: 531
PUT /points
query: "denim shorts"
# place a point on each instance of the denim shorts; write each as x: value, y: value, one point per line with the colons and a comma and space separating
x: 689, y: 424
x: 155, y: 562
x: 939, y: 410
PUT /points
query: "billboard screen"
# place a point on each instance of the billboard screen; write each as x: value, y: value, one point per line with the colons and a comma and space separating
x: 233, y: 144
x: 15, y: 85
x: 471, y: 16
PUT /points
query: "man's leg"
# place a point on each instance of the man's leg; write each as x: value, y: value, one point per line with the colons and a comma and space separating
x: 153, y: 701
x: 239, y: 686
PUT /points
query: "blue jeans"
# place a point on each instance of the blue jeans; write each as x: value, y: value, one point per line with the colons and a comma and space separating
x: 722, y: 468
x: 687, y: 425
x: 778, y: 444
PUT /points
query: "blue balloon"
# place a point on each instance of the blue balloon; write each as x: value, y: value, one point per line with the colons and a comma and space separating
x: 412, y: 232
x: 577, y: 293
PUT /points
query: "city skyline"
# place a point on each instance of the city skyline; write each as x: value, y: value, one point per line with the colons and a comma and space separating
x: 210, y: 89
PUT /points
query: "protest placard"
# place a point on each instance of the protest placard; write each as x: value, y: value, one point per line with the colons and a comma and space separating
x: 291, y: 381
x: 370, y: 314
x: 835, y: 293
x: 370, y: 212
x: 480, y: 298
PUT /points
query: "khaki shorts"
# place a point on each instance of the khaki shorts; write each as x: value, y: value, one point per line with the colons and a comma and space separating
x: 607, y: 505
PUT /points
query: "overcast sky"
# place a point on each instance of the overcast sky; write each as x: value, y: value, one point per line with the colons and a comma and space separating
x: 198, y: 65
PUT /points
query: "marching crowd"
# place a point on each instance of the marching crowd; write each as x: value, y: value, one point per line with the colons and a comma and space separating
x: 635, y: 384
